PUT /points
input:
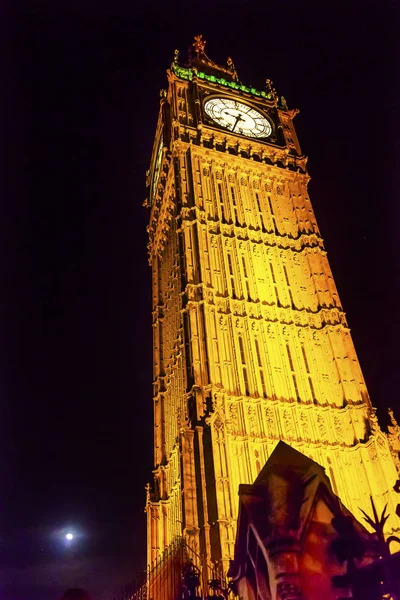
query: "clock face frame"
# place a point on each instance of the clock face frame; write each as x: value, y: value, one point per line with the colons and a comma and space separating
x: 237, y: 117
x: 157, y: 166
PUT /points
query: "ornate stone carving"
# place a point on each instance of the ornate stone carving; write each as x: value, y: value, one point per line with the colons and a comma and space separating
x: 271, y: 90
x: 218, y: 424
x: 394, y: 439
x: 234, y: 418
x: 287, y: 423
x: 199, y: 44
x: 232, y: 69
x: 253, y: 421
x: 321, y: 426
x: 392, y: 418
x: 337, y: 423
x: 270, y: 422
x: 304, y: 425
x: 373, y: 420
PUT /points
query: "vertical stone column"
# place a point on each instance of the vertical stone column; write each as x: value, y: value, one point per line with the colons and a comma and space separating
x: 206, y: 524
x: 189, y: 490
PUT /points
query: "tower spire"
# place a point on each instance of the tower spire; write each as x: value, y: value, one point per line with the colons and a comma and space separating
x: 199, y: 59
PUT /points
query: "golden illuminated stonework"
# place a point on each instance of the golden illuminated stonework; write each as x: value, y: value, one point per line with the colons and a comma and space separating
x: 251, y: 344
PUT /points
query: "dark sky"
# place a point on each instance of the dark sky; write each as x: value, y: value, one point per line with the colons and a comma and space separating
x: 80, y: 104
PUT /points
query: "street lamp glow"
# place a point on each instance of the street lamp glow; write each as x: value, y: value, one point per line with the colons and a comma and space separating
x: 69, y: 536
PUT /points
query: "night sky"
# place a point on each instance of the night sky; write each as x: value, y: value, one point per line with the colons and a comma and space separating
x: 79, y: 103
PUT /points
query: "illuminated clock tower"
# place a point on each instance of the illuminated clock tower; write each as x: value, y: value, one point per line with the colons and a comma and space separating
x: 251, y: 344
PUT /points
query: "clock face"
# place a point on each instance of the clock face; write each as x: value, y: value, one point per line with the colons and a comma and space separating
x: 238, y: 117
x: 157, y: 166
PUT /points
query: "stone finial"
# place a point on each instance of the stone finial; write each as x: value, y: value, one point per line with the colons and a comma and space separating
x: 284, y: 103
x: 373, y: 419
x: 147, y: 487
x: 271, y: 89
x: 232, y: 68
x: 393, y: 436
x: 199, y: 44
x: 392, y: 418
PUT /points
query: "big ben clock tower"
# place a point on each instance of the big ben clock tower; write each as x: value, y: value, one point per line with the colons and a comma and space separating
x: 251, y: 344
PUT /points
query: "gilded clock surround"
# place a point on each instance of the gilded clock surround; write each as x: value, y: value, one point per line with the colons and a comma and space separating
x: 250, y: 341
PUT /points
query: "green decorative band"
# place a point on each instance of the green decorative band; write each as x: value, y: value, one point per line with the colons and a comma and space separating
x: 182, y: 72
x: 188, y: 74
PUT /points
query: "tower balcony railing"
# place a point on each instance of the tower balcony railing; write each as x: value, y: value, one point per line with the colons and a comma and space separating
x: 178, y: 574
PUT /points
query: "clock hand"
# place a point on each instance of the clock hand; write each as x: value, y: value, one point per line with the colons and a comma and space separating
x: 238, y: 119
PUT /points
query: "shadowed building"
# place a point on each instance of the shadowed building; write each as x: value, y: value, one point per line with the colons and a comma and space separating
x: 285, y: 536
x: 296, y: 541
x: 251, y: 344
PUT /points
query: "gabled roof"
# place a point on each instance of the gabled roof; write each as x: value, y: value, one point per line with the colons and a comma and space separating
x: 279, y: 505
x: 289, y: 462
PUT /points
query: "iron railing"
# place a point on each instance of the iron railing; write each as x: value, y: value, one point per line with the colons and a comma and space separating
x: 178, y: 574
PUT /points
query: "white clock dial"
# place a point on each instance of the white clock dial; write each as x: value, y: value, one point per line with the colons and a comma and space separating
x: 238, y: 117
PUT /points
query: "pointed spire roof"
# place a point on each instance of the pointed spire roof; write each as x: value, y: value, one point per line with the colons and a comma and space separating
x: 290, y: 499
x: 285, y: 459
x: 280, y: 501
x: 199, y: 59
x: 200, y: 65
